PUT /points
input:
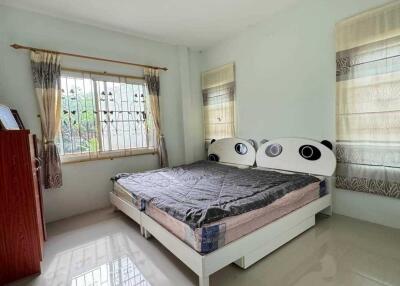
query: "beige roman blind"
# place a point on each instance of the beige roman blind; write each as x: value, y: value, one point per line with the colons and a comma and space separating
x: 368, y: 102
x: 218, y: 88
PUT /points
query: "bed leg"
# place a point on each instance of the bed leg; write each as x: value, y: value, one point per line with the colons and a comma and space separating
x: 147, y: 234
x: 204, y: 281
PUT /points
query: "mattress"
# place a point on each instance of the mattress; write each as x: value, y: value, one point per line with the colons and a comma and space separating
x: 213, y: 234
x: 205, y: 192
x: 124, y: 194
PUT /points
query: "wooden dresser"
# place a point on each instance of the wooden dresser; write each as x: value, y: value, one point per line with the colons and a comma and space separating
x: 22, y: 230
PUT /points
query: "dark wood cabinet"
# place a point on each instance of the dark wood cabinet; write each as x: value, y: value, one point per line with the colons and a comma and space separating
x: 22, y: 230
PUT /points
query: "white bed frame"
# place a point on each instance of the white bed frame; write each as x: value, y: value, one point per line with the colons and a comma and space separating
x: 244, y: 252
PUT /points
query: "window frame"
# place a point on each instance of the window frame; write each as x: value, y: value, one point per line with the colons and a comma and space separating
x: 215, y: 80
x: 100, y: 154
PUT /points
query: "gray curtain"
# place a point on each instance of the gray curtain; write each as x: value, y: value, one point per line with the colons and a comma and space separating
x: 153, y: 84
x: 46, y: 72
x: 368, y: 102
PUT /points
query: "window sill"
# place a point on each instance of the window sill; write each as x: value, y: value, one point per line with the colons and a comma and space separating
x: 109, y: 155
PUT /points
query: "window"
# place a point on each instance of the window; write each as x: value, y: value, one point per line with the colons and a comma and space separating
x: 368, y: 102
x: 218, y: 86
x: 103, y: 117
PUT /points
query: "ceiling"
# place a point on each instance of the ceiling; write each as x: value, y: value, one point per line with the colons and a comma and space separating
x: 196, y: 24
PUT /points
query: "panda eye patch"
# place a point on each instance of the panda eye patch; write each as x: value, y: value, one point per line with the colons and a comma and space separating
x: 213, y: 157
x: 310, y: 152
x: 241, y: 148
x: 273, y: 150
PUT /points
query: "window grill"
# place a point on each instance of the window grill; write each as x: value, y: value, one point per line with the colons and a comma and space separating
x: 121, y: 271
x: 103, y: 116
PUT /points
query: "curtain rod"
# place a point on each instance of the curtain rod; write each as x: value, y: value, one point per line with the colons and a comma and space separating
x: 16, y: 46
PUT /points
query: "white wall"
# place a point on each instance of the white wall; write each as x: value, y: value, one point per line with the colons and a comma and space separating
x: 285, y: 69
x: 86, y: 185
x: 191, y: 103
x: 285, y: 80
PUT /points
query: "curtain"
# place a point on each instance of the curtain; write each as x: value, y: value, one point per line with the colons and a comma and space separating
x: 218, y: 89
x: 219, y: 117
x: 46, y: 72
x: 153, y: 84
x: 368, y: 102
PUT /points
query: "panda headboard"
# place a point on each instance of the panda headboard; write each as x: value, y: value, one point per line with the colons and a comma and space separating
x: 297, y: 155
x: 232, y: 151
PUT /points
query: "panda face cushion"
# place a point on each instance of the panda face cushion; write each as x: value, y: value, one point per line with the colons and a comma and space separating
x: 298, y: 155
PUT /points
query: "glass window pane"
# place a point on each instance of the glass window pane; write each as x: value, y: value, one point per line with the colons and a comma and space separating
x: 102, y: 115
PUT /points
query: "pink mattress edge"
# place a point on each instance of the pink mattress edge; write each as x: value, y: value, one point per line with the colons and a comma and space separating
x: 240, y: 225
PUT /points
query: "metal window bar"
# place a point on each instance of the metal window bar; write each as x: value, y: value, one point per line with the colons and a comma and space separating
x: 145, y: 98
x: 107, y: 119
x: 141, y: 115
x: 115, y: 116
x: 86, y: 110
x: 100, y: 133
x: 133, y: 113
x: 121, y: 112
x: 127, y: 114
x: 137, y: 115
x: 78, y: 115
x: 69, y: 118
x: 140, y: 95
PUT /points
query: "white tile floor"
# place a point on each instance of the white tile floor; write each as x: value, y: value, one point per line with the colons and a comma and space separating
x: 105, y: 248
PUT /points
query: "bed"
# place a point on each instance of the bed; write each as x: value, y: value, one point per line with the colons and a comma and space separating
x: 212, y: 213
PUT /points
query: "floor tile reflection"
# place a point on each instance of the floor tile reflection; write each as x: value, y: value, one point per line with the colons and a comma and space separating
x: 121, y: 271
x: 106, y: 248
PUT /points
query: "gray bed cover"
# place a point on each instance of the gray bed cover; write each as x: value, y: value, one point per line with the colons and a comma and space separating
x: 205, y: 191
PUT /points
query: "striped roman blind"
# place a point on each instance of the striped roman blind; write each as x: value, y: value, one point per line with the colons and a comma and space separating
x: 218, y: 88
x: 368, y: 102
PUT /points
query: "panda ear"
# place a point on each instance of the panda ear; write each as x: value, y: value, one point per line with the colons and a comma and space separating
x: 263, y: 141
x: 327, y: 144
x: 253, y: 143
x: 212, y: 141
